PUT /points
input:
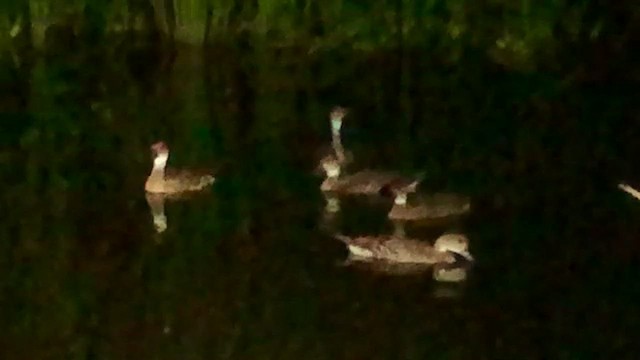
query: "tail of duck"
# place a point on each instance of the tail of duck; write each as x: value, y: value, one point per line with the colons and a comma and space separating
x: 630, y: 190
x: 202, y: 182
x: 208, y: 179
x: 417, y: 180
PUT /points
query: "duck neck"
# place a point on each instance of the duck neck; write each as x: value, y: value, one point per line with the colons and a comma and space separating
x: 336, y: 125
x: 337, y: 146
x: 159, y: 165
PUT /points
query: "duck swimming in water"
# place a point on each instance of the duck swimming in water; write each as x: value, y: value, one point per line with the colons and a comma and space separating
x: 163, y: 180
x: 432, y: 207
x: 405, y: 250
x: 364, y: 181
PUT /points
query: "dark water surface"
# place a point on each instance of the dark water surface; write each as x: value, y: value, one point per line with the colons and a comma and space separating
x: 248, y: 270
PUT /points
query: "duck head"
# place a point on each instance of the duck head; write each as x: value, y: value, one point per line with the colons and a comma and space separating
x: 160, y: 152
x: 336, y: 115
x: 456, y: 243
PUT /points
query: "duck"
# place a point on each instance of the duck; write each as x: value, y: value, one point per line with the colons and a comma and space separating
x: 436, y: 206
x: 408, y: 250
x: 163, y: 180
x: 629, y: 190
x: 364, y: 181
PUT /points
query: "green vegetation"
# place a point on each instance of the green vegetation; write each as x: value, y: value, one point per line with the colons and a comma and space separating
x: 518, y: 34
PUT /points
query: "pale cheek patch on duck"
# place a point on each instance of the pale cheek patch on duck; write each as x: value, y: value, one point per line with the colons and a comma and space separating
x: 336, y: 125
x: 160, y: 161
x: 401, y: 199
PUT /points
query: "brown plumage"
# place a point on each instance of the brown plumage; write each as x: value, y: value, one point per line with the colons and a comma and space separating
x: 362, y: 182
x: 170, y: 181
x: 405, y: 250
x: 442, y: 272
x: 432, y: 207
x: 386, y: 267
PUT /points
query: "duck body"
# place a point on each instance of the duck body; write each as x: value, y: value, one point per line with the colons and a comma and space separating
x: 386, y: 267
x: 432, y: 207
x: 163, y: 180
x: 178, y: 181
x: 364, y: 181
x: 407, y: 250
x: 441, y: 272
x: 361, y: 182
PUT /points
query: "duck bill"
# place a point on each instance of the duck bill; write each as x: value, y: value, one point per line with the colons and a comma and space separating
x: 466, y: 255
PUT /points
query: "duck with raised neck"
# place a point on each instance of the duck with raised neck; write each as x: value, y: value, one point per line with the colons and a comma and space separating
x: 164, y: 180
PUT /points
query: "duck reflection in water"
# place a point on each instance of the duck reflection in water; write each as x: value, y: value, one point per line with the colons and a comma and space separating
x: 329, y: 213
x: 156, y: 205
